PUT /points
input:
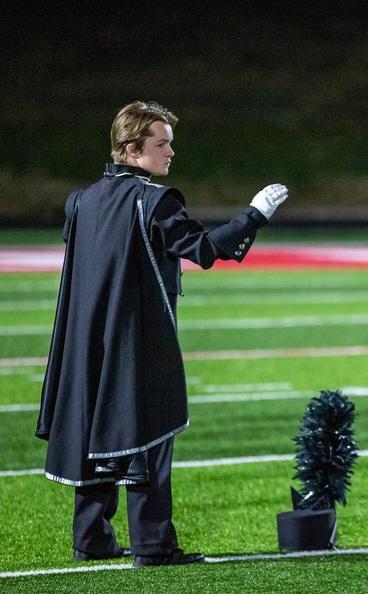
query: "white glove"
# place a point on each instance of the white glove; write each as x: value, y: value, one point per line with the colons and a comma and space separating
x: 268, y: 199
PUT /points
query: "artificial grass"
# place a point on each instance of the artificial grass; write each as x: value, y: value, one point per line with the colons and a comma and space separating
x: 52, y: 235
x: 220, y: 285
x: 219, y: 430
x: 224, y: 510
x: 36, y: 345
x: 320, y: 575
x: 310, y: 373
x: 220, y: 510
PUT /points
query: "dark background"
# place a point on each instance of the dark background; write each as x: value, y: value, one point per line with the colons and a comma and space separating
x: 264, y: 92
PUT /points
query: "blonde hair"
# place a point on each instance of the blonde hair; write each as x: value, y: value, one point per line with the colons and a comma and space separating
x: 131, y: 126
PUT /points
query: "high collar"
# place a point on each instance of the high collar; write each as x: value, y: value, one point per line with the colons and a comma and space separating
x: 116, y: 169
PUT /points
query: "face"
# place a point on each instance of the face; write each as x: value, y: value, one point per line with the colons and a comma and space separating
x: 156, y: 155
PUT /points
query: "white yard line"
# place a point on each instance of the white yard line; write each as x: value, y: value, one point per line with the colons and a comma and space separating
x: 29, y: 371
x: 273, y: 322
x: 276, y: 299
x: 241, y: 280
x: 193, y: 463
x: 259, y: 387
x: 200, y: 399
x: 218, y: 398
x: 225, y: 324
x: 205, y: 301
x: 339, y: 351
x: 211, y: 560
x: 29, y: 287
x: 345, y: 351
x: 13, y: 408
x: 25, y: 330
x: 233, y: 461
x: 261, y: 396
x: 35, y: 305
x: 23, y: 362
x: 292, y: 555
x: 25, y: 472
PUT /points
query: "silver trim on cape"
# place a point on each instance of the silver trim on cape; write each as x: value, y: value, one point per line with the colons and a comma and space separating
x: 93, y: 455
x: 143, y: 448
x: 157, y: 441
x: 69, y: 483
x: 153, y: 260
x: 128, y: 174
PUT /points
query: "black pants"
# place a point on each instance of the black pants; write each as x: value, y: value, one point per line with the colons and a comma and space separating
x: 149, y: 509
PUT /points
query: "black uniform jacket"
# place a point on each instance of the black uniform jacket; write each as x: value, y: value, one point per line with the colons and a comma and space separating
x: 114, y: 384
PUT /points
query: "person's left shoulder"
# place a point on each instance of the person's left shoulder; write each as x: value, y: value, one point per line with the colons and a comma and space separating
x: 153, y: 185
x: 157, y: 192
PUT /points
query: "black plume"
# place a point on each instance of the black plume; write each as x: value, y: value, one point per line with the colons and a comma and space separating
x: 326, y: 451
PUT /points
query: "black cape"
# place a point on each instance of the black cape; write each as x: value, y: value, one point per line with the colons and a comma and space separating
x: 114, y: 383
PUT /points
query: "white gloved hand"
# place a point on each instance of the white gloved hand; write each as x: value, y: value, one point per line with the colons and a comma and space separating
x: 268, y: 199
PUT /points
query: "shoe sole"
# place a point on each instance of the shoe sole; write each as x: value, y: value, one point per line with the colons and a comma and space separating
x: 138, y: 565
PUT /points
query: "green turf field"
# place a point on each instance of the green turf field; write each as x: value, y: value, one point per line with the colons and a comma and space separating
x: 238, y: 407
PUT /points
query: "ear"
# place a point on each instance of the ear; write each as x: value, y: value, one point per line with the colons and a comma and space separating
x: 131, y: 152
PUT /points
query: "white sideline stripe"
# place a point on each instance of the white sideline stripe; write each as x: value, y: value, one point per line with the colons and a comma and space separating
x: 292, y: 555
x: 193, y: 463
x: 213, y: 560
x: 225, y: 324
x: 29, y: 371
x: 65, y: 570
x: 264, y: 396
x: 24, y: 330
x: 218, y: 398
x: 232, y: 461
x: 260, y: 396
x: 317, y: 281
x: 240, y: 387
x: 10, y: 408
x: 340, y: 351
x: 197, y: 301
x: 35, y: 305
x: 349, y: 351
x: 261, y: 298
x: 198, y: 399
x: 275, y: 322
x: 24, y: 362
x: 30, y: 287
x: 26, y: 472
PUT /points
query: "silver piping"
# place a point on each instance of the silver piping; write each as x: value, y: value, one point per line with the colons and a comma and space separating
x: 126, y: 482
x: 153, y: 261
x: 141, y: 448
x: 69, y: 483
x: 130, y: 175
x: 159, y: 440
x: 64, y: 481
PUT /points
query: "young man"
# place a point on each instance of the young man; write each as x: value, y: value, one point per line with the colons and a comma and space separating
x: 114, y: 393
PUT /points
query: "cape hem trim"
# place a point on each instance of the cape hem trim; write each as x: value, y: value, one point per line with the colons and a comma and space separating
x: 143, y: 448
x: 70, y: 483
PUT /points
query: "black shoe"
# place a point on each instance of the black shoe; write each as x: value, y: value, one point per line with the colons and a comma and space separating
x: 177, y: 557
x: 80, y: 556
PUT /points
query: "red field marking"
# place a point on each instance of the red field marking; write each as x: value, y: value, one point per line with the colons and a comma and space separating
x: 32, y: 259
x: 292, y: 256
x: 286, y: 256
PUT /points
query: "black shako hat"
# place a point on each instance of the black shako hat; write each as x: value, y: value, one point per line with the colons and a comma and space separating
x: 325, y: 454
x: 306, y: 529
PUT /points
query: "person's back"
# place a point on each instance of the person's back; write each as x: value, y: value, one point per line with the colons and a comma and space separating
x: 109, y: 388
